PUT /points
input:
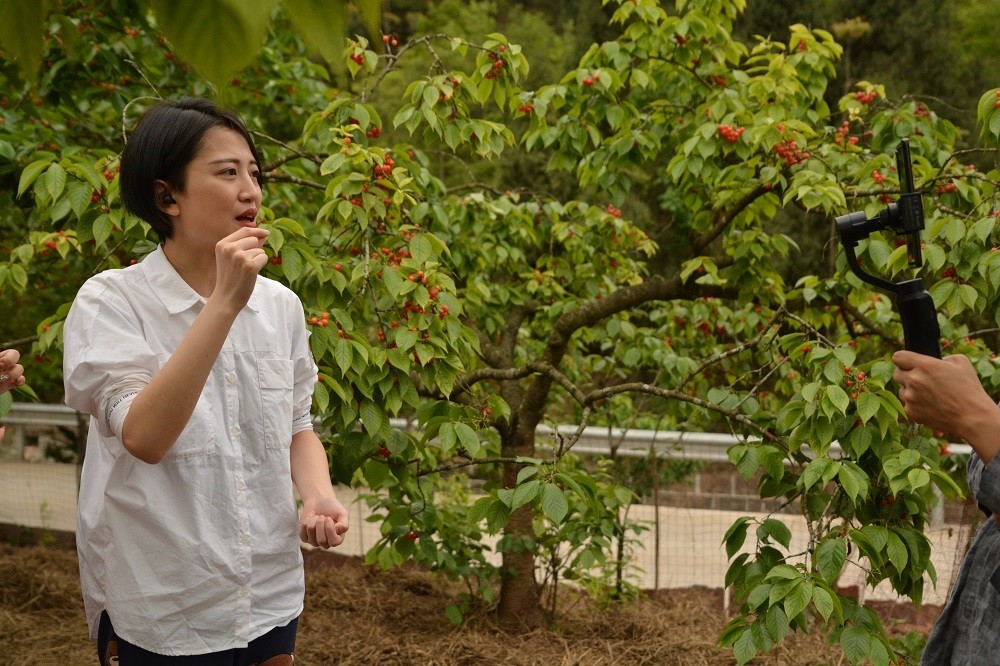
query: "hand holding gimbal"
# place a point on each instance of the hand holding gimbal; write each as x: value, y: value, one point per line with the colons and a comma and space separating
x: 905, y: 217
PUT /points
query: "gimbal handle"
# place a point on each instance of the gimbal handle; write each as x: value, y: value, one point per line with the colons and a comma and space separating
x: 921, y: 333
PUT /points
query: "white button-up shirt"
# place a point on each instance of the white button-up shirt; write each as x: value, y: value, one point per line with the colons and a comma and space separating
x: 200, y: 552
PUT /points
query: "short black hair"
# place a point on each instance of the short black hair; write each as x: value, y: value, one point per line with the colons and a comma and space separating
x: 165, y: 140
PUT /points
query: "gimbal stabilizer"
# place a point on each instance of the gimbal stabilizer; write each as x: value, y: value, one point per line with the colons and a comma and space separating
x: 905, y: 217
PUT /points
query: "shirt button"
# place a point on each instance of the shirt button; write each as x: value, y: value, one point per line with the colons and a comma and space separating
x: 245, y: 539
x: 240, y: 485
x: 245, y: 592
x: 231, y: 378
x: 235, y: 430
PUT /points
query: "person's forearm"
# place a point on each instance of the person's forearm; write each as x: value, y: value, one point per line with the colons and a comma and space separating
x: 981, y: 429
x: 162, y: 409
x: 310, y: 468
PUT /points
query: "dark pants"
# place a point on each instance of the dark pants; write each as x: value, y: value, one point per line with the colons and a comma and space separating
x: 277, y: 645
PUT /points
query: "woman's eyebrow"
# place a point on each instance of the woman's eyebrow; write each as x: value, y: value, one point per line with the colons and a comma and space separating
x: 233, y: 160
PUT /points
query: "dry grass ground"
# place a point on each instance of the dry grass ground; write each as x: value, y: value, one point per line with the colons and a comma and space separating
x: 358, y: 615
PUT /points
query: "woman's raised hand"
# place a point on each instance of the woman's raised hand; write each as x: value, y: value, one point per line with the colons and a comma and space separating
x: 238, y: 258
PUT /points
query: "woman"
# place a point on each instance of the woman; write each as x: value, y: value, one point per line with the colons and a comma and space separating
x: 198, y: 377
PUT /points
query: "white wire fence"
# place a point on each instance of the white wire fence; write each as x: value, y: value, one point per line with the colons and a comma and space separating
x: 686, y: 519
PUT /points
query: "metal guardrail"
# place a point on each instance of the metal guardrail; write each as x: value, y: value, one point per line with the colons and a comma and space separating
x: 594, y: 440
x: 28, y: 414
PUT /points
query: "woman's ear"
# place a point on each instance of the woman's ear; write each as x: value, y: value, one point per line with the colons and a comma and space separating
x: 164, y: 199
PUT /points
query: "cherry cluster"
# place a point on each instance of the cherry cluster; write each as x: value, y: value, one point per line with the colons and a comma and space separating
x: 878, y: 177
x: 865, y: 97
x: 394, y: 257
x: 614, y: 212
x: 498, y: 63
x: 842, y: 132
x: 731, y: 134
x: 526, y: 108
x: 384, y: 169
x: 945, y: 188
x: 322, y: 321
x: 358, y: 57
x: 854, y: 380
x: 390, y: 40
x: 788, y: 150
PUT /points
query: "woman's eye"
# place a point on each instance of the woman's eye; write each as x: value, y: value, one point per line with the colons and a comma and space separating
x: 230, y: 172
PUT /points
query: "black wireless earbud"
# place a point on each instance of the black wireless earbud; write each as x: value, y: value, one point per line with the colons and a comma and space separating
x: 167, y: 200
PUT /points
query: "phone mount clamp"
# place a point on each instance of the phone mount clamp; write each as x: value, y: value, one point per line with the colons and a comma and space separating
x: 904, y: 217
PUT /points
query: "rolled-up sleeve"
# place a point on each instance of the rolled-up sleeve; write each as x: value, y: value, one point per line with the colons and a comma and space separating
x: 106, y: 360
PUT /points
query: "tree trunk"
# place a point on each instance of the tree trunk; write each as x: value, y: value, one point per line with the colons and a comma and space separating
x: 520, y: 601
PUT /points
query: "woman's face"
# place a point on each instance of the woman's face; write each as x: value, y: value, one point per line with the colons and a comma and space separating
x: 222, y: 192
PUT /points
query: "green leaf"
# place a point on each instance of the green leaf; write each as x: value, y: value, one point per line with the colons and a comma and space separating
x: 823, y: 601
x: 918, y: 478
x: 868, y: 405
x: 797, y: 599
x: 468, y: 438
x: 777, y: 530
x: 21, y: 29
x: 217, y: 38
x: 343, y: 353
x: 839, y: 398
x: 554, y: 503
x: 831, y: 554
x: 30, y: 175
x: 55, y: 180
x: 479, y: 510
x: 777, y: 622
x: 373, y: 418
x: 322, y: 24
x: 744, y: 649
x: 371, y: 15
x: 454, y: 615
x: 896, y: 550
x: 102, y: 228
x: 497, y: 514
x: 420, y: 248
x: 526, y: 492
x: 856, y: 643
x: 405, y: 338
x: 759, y: 595
x: 736, y: 536
x: 853, y: 480
x: 447, y: 438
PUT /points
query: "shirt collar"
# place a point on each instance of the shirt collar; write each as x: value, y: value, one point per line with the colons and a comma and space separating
x: 175, y: 294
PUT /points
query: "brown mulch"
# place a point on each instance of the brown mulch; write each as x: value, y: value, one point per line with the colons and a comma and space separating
x: 361, y: 615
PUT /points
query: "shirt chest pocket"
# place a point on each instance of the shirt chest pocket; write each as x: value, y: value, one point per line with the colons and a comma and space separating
x: 276, y: 381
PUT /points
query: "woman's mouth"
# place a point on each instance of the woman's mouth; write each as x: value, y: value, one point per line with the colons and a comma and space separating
x: 248, y: 218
